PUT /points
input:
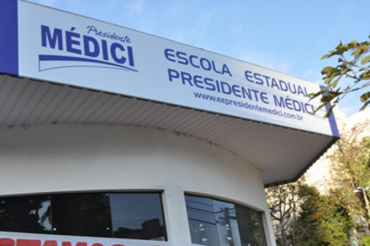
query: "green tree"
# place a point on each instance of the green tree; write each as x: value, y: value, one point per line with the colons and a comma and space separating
x: 366, y: 241
x: 282, y: 200
x: 349, y: 161
x: 333, y: 220
x: 304, y: 217
x: 293, y: 209
x: 306, y: 233
x: 352, y: 71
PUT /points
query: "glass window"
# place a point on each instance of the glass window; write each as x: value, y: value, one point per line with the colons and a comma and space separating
x: 81, y: 214
x: 25, y: 214
x: 202, y: 220
x: 220, y: 223
x: 137, y: 216
x: 251, y: 221
x: 120, y: 215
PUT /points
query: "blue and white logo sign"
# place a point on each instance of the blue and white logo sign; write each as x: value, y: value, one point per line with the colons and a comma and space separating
x: 74, y: 50
x: 94, y: 48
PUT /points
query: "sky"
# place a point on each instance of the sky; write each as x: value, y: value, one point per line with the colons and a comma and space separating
x: 289, y: 36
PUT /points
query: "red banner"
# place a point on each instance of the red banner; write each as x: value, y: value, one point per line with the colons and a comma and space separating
x: 25, y: 239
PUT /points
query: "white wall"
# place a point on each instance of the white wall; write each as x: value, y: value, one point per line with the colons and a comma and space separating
x: 54, y: 158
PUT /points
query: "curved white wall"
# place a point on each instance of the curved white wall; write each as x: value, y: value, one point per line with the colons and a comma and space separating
x: 54, y: 158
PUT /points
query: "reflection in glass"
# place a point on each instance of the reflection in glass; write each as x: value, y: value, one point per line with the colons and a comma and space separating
x: 81, y: 214
x: 202, y: 220
x: 250, y: 220
x: 227, y: 226
x: 25, y: 214
x: 120, y: 215
x: 215, y: 222
x: 137, y: 216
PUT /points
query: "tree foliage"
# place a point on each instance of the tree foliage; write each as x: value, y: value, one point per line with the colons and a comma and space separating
x: 350, y: 167
x: 333, y: 221
x: 303, y: 216
x: 366, y: 241
x: 352, y: 74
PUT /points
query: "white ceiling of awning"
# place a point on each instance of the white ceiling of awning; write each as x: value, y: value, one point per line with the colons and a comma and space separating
x: 282, y: 154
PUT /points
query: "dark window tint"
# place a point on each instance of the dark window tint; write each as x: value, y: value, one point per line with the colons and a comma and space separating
x: 25, y: 214
x: 250, y: 221
x: 81, y: 214
x: 137, y: 216
x: 121, y: 215
x: 220, y: 223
